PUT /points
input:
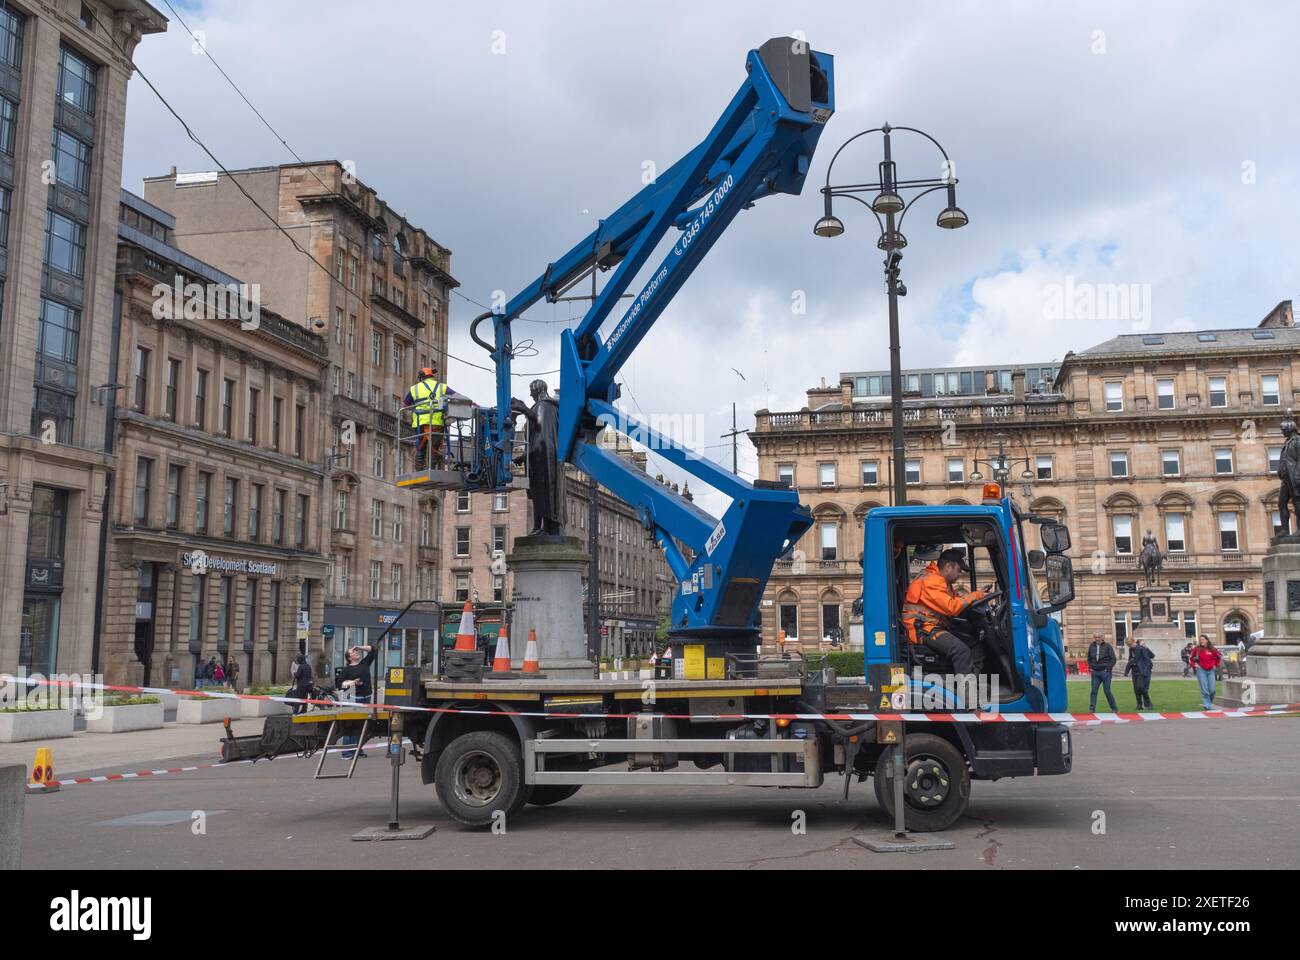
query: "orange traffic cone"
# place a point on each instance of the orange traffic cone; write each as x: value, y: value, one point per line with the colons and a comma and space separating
x: 501, y: 662
x: 531, y: 664
x: 42, y: 779
x: 465, y: 636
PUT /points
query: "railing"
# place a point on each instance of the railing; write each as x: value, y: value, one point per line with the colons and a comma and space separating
x: 345, y: 408
x: 935, y: 413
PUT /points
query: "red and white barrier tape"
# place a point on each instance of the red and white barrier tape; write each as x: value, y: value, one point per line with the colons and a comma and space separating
x: 1086, y: 719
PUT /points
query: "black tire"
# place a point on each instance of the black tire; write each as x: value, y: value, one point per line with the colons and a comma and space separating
x: 478, y: 775
x: 549, y: 793
x: 936, y: 774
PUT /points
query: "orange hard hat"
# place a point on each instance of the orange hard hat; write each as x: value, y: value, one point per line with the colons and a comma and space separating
x: 427, y: 372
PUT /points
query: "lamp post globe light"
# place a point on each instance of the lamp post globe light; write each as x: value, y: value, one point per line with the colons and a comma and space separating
x: 889, y: 205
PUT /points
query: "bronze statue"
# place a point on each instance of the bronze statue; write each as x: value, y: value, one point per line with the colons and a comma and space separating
x: 545, y: 472
x: 1288, y: 471
x: 1151, y: 560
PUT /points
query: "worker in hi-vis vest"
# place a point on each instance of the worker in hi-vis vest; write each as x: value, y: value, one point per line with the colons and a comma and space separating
x: 424, y: 400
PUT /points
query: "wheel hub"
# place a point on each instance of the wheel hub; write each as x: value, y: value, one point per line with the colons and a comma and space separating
x: 478, y: 779
x: 927, y: 783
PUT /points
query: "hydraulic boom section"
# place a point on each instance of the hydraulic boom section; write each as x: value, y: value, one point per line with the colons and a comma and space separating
x: 762, y: 144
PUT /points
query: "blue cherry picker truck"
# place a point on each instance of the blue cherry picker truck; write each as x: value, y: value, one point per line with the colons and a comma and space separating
x: 493, y: 745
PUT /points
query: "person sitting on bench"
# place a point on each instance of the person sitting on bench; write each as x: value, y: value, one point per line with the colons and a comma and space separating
x: 932, y: 601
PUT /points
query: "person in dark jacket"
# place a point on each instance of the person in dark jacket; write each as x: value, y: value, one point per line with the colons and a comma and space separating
x: 302, y: 678
x: 1140, y: 662
x: 356, y: 677
x: 1187, y: 658
x: 1101, y: 663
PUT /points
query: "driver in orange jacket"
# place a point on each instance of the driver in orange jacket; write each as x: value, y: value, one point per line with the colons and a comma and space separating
x: 932, y: 600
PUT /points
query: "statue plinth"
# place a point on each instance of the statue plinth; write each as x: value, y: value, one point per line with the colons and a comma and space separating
x: 1165, y: 639
x: 1273, y: 663
x: 548, y: 571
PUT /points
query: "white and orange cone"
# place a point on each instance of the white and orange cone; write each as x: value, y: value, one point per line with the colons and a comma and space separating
x: 501, y: 663
x: 531, y: 663
x: 465, y: 635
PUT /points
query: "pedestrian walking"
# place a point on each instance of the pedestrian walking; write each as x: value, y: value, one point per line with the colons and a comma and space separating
x: 232, y: 674
x: 1206, y: 659
x: 1187, y: 658
x: 302, y: 678
x: 218, y: 673
x: 1141, y: 659
x: 200, y: 671
x: 1101, y: 662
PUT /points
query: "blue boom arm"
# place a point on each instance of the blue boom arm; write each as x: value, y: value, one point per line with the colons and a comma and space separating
x: 762, y: 144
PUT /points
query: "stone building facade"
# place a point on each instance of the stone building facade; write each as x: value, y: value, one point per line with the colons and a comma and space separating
x: 1177, y: 433
x: 378, y: 295
x: 64, y: 67
x: 216, y: 546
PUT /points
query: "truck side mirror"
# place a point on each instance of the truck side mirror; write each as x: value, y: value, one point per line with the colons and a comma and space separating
x: 1055, y: 537
x: 1060, y: 580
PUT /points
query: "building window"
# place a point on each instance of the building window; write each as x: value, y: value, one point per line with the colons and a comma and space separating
x: 254, y: 400
x: 1165, y: 394
x: 250, y: 615
x: 1189, y: 624
x: 198, y: 614
x: 1274, y: 460
x: 498, y: 589
x: 201, y: 399
x: 143, y: 480
x: 1234, y: 586
x: 913, y: 471
x: 11, y: 37
x: 202, y: 495
x: 1218, y: 391
x: 376, y: 576
x: 1228, y: 531
x: 499, y: 538
x: 462, y: 587
x: 1175, y: 535
x: 77, y: 81
x: 1114, y: 396
x: 1119, y: 464
x: 299, y: 430
x: 1121, y: 628
x: 300, y: 521
x: 1122, y: 527
x: 1171, y: 464
x: 785, y: 474
x: 255, y: 513
x: 399, y: 522
x: 59, y: 327
x: 352, y: 321
x: 377, y: 463
x: 1180, y: 586
x: 338, y: 311
x: 345, y: 574
x: 230, y: 509
x: 870, y: 473
x: 227, y: 406
x: 826, y: 474
x: 225, y: 614
x: 1043, y: 467
x: 500, y: 502
x: 1276, y: 521
x: 341, y: 510
x: 1126, y: 587
x: 173, y: 389
x: 140, y: 400
x: 71, y: 162
x: 65, y: 244
x: 956, y: 470
x: 352, y: 385
x: 377, y: 519
x: 376, y: 348
x: 277, y: 417
x: 462, y: 501
x: 1270, y: 394
x: 462, y: 541
x: 829, y: 541
x: 396, y: 583
x: 175, y: 481
x: 426, y: 528
x: 1223, y: 460
x: 277, y: 517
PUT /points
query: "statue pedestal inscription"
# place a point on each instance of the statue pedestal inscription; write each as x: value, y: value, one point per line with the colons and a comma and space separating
x: 1165, y: 639
x: 1273, y: 663
x: 547, y: 597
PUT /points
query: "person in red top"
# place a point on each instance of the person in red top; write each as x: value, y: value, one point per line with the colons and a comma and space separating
x: 1206, y: 659
x: 932, y: 600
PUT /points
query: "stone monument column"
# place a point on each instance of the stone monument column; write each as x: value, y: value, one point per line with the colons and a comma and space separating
x: 1165, y: 639
x: 547, y: 597
x: 1273, y: 663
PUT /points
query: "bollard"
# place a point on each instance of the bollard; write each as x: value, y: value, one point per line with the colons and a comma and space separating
x: 13, y: 781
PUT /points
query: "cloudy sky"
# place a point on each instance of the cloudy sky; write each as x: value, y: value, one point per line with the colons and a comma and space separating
x: 1096, y: 143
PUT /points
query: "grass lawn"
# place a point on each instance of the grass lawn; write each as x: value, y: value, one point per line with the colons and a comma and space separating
x: 1167, y: 695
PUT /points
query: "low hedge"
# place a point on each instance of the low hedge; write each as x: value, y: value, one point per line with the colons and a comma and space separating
x: 847, y: 663
x: 127, y: 701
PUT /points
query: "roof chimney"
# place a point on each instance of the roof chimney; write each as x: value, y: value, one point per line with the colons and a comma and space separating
x: 1018, y: 384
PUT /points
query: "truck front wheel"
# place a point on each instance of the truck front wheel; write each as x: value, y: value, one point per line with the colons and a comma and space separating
x: 480, y: 775
x: 936, y: 790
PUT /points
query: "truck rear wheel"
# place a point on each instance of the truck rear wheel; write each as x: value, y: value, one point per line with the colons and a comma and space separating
x: 549, y: 793
x: 936, y: 790
x: 479, y: 775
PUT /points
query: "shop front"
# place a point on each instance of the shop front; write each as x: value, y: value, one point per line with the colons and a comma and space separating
x: 411, y: 641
